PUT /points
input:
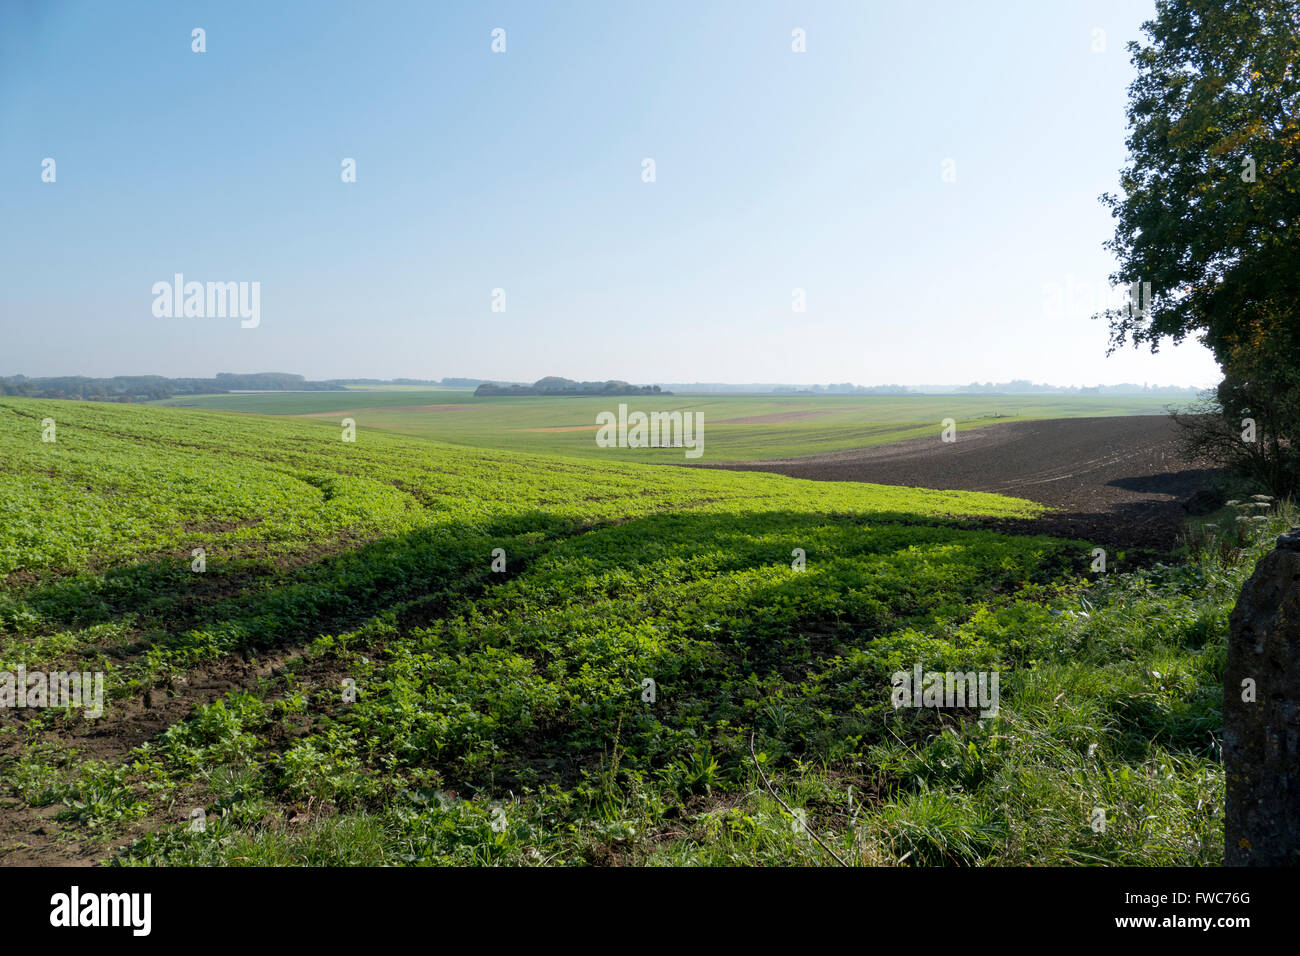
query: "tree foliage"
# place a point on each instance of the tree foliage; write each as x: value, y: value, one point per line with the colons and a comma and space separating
x: 1210, y: 212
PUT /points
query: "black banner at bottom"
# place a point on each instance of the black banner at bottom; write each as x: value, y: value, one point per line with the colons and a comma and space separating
x: 336, y: 905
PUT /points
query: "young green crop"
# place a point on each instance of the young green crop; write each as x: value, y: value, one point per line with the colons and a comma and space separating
x: 596, y: 697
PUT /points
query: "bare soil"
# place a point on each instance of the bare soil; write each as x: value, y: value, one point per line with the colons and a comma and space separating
x: 1117, y: 482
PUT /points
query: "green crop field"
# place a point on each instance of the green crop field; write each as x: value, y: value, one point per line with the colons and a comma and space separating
x: 403, y: 651
x: 737, y: 427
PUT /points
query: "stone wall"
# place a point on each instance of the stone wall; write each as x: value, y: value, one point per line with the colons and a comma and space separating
x: 1261, y: 714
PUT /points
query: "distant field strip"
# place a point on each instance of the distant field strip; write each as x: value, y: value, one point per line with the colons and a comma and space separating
x: 737, y: 428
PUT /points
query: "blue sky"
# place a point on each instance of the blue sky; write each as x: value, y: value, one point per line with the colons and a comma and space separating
x: 522, y: 171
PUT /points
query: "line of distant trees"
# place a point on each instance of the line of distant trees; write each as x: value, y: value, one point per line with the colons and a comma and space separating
x: 149, y: 388
x: 428, y: 382
x: 1016, y: 387
x: 845, y: 388
x: 1024, y: 387
x: 554, y: 385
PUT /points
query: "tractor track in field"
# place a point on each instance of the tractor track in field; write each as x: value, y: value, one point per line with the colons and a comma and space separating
x: 1116, y: 481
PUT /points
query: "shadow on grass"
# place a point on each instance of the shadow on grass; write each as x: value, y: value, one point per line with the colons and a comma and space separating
x: 535, y: 677
x: 250, y: 603
x: 535, y: 683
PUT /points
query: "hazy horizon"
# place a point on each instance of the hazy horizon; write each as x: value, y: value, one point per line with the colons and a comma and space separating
x: 779, y: 383
x: 934, y: 210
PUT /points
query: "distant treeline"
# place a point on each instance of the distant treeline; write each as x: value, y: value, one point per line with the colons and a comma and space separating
x: 149, y: 388
x: 1017, y: 387
x: 1023, y: 387
x: 845, y: 388
x: 554, y: 385
x: 428, y: 382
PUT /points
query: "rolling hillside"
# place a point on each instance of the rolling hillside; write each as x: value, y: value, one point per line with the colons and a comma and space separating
x: 400, y: 651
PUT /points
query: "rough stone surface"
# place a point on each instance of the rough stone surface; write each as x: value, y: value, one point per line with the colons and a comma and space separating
x: 1261, y: 739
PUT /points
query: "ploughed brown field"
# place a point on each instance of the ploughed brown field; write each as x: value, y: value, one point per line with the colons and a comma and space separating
x: 1118, y: 481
